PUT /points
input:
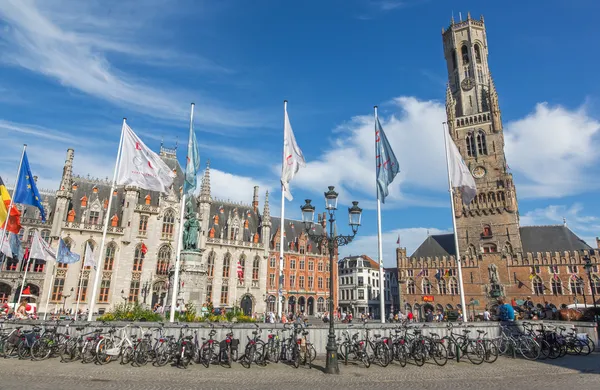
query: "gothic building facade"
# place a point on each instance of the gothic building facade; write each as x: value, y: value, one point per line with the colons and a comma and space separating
x: 498, y: 256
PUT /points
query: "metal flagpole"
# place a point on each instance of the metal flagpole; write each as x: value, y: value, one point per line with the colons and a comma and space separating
x: 24, y: 278
x: 281, y: 230
x: 12, y: 202
x: 379, y: 242
x: 180, y: 233
x: 458, y: 261
x: 50, y: 290
x: 79, y: 289
x: 105, y: 228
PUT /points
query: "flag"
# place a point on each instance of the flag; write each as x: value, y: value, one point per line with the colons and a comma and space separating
x: 12, y: 223
x: 65, y: 256
x: 421, y: 273
x: 26, y: 291
x: 89, y: 260
x: 141, y: 167
x: 192, y: 164
x: 27, y: 191
x: 531, y: 276
x: 398, y: 240
x: 144, y: 249
x: 40, y: 249
x: 6, y: 249
x: 293, y: 159
x: 438, y: 275
x: 386, y: 162
x: 240, y: 271
x: 555, y: 277
x: 460, y: 176
x: 15, y: 246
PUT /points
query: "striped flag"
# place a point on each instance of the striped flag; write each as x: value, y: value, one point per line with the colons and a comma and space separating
x: 240, y: 271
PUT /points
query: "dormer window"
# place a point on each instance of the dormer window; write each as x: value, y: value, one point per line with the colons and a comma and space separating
x: 487, y: 231
x: 84, y: 201
x: 95, y: 190
x: 148, y: 199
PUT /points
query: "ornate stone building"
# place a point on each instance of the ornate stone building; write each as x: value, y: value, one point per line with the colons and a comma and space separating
x: 143, y: 221
x: 499, y: 257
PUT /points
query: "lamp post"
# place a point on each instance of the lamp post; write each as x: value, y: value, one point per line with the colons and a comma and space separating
x: 64, y: 297
x: 145, y: 290
x: 588, y: 270
x: 333, y: 242
x: 123, y: 297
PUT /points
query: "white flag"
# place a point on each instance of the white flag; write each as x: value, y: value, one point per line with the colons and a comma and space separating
x: 293, y: 159
x: 40, y: 250
x: 460, y: 176
x: 5, y: 246
x: 89, y: 261
x: 140, y: 166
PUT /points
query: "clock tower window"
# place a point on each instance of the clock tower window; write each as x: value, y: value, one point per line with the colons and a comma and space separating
x: 470, y: 145
x: 465, y: 54
x: 477, y: 54
x: 481, y: 145
x: 454, y: 66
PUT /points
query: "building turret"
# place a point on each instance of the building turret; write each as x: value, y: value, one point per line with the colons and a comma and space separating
x: 204, y: 202
x: 63, y: 195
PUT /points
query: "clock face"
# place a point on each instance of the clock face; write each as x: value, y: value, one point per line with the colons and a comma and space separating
x: 467, y: 84
x: 479, y: 172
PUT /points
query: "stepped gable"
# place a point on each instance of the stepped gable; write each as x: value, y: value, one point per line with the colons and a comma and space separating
x: 293, y: 230
x: 437, y: 245
x: 222, y: 213
x: 557, y: 238
x: 551, y: 238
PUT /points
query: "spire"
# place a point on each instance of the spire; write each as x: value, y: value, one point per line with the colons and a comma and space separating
x: 494, y: 106
x: 564, y: 222
x: 266, y: 217
x: 205, y: 188
x: 67, y: 176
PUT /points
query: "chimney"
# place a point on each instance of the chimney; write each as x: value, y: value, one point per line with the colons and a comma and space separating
x: 255, y: 199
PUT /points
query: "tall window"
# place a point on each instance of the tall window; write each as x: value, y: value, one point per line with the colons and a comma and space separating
x: 94, y: 218
x: 481, y: 144
x: 45, y: 234
x: 301, y: 282
x: 30, y: 235
x: 134, y: 291
x: 487, y: 231
x: 168, y: 224
x: 82, y: 289
x: 224, y: 294
x: 272, y: 262
x: 164, y: 259
x: 209, y: 290
x: 470, y: 145
x: 464, y: 51
x: 138, y: 258
x: 311, y: 283
x: 242, y: 261
x: 442, y: 287
x: 226, y: 265
x: 572, y: 269
x: 320, y: 267
x: 292, y: 281
x: 556, y: 287
x: 477, y: 54
x: 595, y: 285
x: 320, y: 305
x: 57, y: 289
x: 210, y: 266
x: 538, y: 286
x: 410, y: 287
x: 271, y: 280
x: 292, y: 264
x: 576, y: 286
x: 104, y: 290
x: 109, y: 259
x: 311, y: 265
x: 453, y: 286
x: 320, y: 283
x: 255, y: 267
x: 143, y: 226
x: 301, y: 263
x: 426, y: 286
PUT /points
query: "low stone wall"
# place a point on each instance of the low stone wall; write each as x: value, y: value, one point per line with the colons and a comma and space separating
x: 318, y: 333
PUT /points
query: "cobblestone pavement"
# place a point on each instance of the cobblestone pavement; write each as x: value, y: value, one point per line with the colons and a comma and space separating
x: 581, y: 373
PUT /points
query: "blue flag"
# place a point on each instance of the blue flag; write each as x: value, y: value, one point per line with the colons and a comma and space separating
x: 64, y: 255
x: 15, y: 246
x: 26, y: 191
x: 387, y: 164
x: 192, y: 163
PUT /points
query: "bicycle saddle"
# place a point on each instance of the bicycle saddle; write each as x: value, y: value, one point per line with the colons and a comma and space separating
x: 377, y: 336
x: 80, y: 328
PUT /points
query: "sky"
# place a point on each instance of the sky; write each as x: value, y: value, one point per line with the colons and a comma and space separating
x: 71, y: 70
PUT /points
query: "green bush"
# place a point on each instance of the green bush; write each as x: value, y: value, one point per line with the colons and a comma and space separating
x: 130, y: 312
x: 190, y: 314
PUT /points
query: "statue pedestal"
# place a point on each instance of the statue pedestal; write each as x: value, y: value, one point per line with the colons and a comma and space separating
x: 192, y: 280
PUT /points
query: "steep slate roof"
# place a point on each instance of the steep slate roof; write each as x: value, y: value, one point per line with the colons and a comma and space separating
x: 557, y: 238
x: 225, y: 210
x: 367, y: 262
x: 293, y: 229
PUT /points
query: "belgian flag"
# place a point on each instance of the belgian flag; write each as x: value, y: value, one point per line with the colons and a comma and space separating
x: 11, y: 223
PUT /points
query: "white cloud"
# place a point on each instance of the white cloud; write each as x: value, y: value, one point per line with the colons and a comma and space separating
x: 555, y: 150
x: 410, y: 238
x: 71, y: 42
x: 234, y: 188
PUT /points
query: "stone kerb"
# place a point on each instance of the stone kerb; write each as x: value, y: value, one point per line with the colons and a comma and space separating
x: 318, y: 333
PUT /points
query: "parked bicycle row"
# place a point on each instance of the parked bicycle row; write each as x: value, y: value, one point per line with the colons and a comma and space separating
x: 405, y: 344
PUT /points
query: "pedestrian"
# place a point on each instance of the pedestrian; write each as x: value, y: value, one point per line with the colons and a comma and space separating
x: 505, y: 311
x: 486, y: 314
x: 410, y: 316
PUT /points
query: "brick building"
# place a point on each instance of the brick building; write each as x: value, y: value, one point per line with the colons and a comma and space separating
x: 499, y: 257
x: 305, y: 268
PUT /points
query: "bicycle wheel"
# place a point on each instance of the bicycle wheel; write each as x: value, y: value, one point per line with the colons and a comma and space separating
x: 163, y: 355
x: 101, y: 355
x: 402, y: 355
x: 127, y: 354
x: 68, y: 352
x: 206, y: 356
x: 24, y: 351
x: 296, y: 356
x: 418, y: 353
x: 439, y: 353
x: 382, y: 354
x: 475, y: 352
x: 491, y: 351
x: 529, y: 348
x: 544, y: 349
x: 40, y: 349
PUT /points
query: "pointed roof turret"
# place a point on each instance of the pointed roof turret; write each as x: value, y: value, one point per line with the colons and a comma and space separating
x: 266, y: 217
x: 205, y: 187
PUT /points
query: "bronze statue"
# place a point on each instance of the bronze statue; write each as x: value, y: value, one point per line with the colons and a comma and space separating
x: 190, y: 229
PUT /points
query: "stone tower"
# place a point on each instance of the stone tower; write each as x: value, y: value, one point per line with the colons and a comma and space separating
x: 491, y: 222
x: 63, y: 195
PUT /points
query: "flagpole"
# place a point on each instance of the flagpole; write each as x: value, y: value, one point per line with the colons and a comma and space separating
x: 50, y: 289
x: 458, y: 261
x: 281, y: 230
x: 105, y: 228
x: 12, y: 202
x: 79, y: 289
x: 24, y: 277
x: 180, y: 233
x: 379, y: 242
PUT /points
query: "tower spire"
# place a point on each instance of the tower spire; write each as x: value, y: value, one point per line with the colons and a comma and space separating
x: 266, y: 217
x: 205, y: 188
x: 67, y: 176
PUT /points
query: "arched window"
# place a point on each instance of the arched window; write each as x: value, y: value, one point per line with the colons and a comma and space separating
x: 168, y: 224
x: 109, y: 258
x: 138, y: 259
x: 470, y: 145
x: 595, y: 285
x: 410, y: 287
x: 92, y: 247
x: 321, y: 305
x: 242, y: 261
x: 210, y: 264
x: 490, y: 248
x: 487, y: 231
x: 255, y: 267
x: 471, y: 250
x: 481, y: 145
x: 465, y: 54
x: 164, y: 260
x: 453, y: 286
x: 537, y: 285
x: 477, y: 54
x: 556, y: 286
x: 45, y: 234
x: 426, y: 286
x: 30, y: 235
x: 576, y: 286
x: 226, y: 265
x: 508, y: 248
x: 442, y: 287
x: 454, y: 65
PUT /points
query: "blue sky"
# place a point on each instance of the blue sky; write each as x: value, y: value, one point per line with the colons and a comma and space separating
x: 71, y: 70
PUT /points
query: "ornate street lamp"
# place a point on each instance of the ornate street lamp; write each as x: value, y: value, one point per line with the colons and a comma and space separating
x: 64, y: 297
x: 333, y: 242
